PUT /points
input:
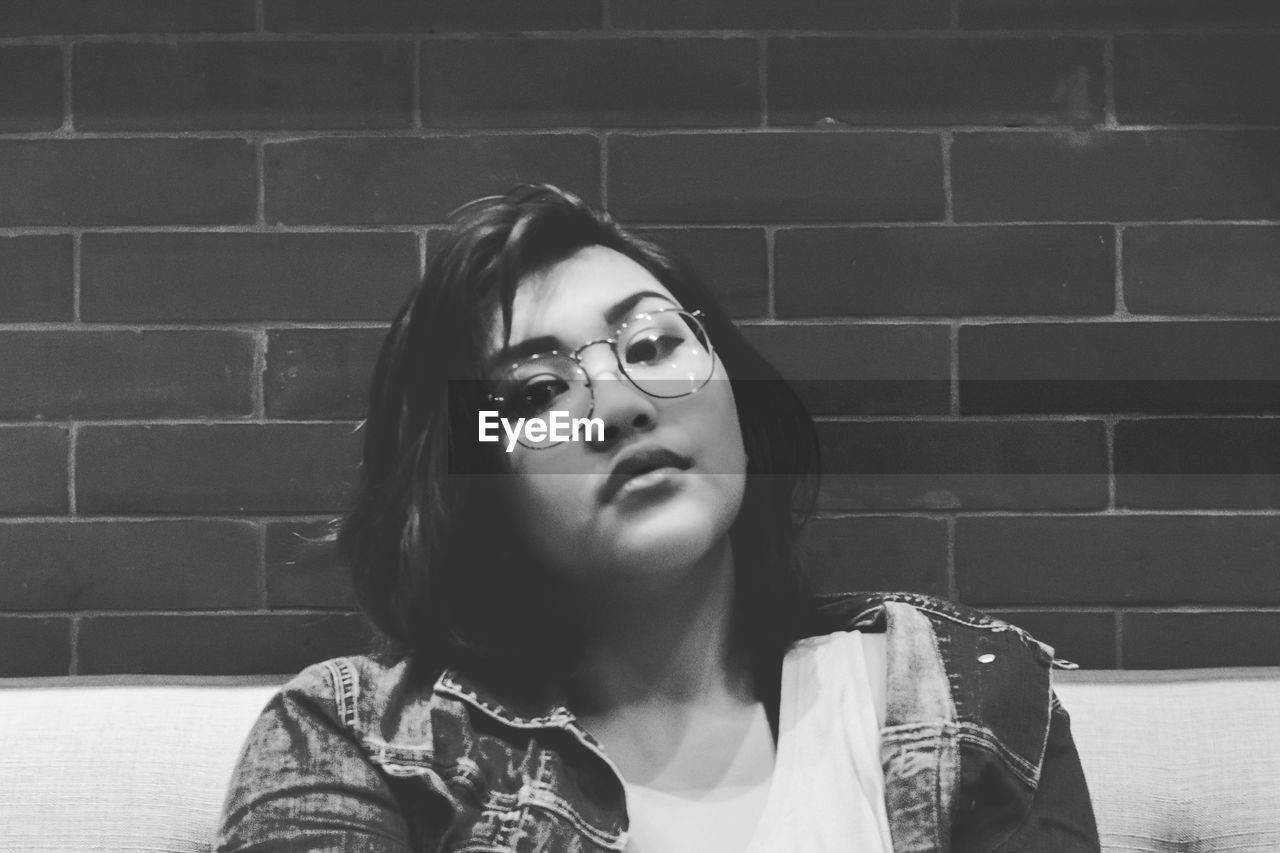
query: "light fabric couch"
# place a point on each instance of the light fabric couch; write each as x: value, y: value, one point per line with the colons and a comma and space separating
x: 1177, y: 761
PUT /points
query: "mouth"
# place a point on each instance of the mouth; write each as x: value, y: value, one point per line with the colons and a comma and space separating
x: 642, y: 468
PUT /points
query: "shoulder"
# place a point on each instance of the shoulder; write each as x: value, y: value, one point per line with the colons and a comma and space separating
x: 357, y: 691
x: 998, y: 688
x: 869, y: 611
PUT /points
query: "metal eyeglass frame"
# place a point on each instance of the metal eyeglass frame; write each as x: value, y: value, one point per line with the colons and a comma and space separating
x: 613, y: 340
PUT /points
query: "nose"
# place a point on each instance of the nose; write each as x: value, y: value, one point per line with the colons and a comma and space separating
x: 623, y: 407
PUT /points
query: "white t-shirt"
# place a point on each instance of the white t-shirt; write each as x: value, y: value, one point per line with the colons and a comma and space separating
x: 826, y: 792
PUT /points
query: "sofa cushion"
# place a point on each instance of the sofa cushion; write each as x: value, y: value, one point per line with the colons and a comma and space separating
x: 1180, y: 760
x: 121, y: 762
x: 1183, y: 760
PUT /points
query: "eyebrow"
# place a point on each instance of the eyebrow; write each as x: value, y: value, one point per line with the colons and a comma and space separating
x: 545, y: 343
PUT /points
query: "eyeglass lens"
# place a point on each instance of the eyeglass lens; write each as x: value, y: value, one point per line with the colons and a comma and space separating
x: 664, y: 353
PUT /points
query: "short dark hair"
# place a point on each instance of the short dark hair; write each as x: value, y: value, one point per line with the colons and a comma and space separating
x: 429, y: 568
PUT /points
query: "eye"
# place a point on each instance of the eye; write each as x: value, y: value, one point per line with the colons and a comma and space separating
x: 533, y: 396
x: 652, y: 346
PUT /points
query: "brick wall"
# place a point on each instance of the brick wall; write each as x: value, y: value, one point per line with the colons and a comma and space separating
x: 1023, y: 256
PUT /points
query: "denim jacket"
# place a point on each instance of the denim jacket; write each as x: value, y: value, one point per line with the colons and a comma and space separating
x: 355, y: 754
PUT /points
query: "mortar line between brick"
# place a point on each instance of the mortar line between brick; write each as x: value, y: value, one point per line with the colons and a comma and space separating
x: 1119, y: 651
x: 411, y: 227
x: 942, y: 33
x: 1109, y: 426
x: 949, y: 214
x: 217, y: 519
x: 1121, y: 309
x: 953, y: 353
x: 68, y: 123
x: 194, y: 326
x: 955, y: 15
x: 77, y: 239
x: 261, y: 574
x: 73, y: 434
x: 259, y: 16
x: 230, y: 228
x: 260, y: 181
x: 74, y: 641
x: 304, y: 134
x: 98, y: 613
x: 770, y: 265
x: 258, y: 380
x: 163, y: 518
x: 422, y: 254
x: 1079, y: 514
x: 208, y: 421
x: 606, y: 16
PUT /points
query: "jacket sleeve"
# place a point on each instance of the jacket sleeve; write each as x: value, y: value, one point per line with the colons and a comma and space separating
x: 1061, y: 816
x: 303, y: 783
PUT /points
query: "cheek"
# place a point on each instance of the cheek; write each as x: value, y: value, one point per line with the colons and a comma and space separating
x: 549, y: 507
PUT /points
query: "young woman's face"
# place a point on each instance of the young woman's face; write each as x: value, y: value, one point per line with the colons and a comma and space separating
x: 663, y: 487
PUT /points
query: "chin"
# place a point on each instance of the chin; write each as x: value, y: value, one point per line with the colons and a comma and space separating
x: 665, y: 541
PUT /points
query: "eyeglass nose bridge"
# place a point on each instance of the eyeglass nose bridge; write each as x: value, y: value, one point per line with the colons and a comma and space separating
x: 617, y: 369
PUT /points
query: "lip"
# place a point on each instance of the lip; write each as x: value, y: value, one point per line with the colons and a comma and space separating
x: 637, y: 462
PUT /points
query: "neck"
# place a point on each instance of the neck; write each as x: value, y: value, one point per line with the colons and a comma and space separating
x: 663, y: 646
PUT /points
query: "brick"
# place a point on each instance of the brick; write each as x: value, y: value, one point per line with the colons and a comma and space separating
x: 862, y: 370
x: 229, y: 644
x: 438, y: 16
x: 1181, y: 640
x: 1084, y: 638
x: 946, y: 271
x: 635, y: 82
x: 1094, y: 14
x: 126, y: 182
x: 95, y: 374
x: 1200, y: 367
x: 1202, y: 269
x: 1134, y: 559
x: 320, y: 373
x: 34, y: 646
x: 770, y: 177
x: 1116, y: 175
x: 1209, y: 78
x: 931, y: 81
x: 176, y: 277
x: 33, y: 469
x: 733, y: 262
x: 87, y: 17
x: 303, y: 569
x: 233, y: 85
x: 153, y: 565
x: 762, y: 14
x: 215, y: 468
x: 387, y: 181
x: 1201, y: 462
x: 30, y: 88
x: 849, y: 554
x: 948, y: 465
x: 36, y: 279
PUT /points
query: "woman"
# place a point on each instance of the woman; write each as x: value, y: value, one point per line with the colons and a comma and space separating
x: 599, y: 642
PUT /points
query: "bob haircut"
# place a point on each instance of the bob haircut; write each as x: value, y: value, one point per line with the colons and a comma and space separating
x: 434, y: 561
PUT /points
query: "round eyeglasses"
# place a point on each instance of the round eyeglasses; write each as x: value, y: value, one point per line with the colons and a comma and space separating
x: 664, y: 353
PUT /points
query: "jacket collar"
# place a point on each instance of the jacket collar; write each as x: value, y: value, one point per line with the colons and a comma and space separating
x: 826, y: 614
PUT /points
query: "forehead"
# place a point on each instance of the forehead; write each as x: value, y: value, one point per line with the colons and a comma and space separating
x: 571, y: 299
